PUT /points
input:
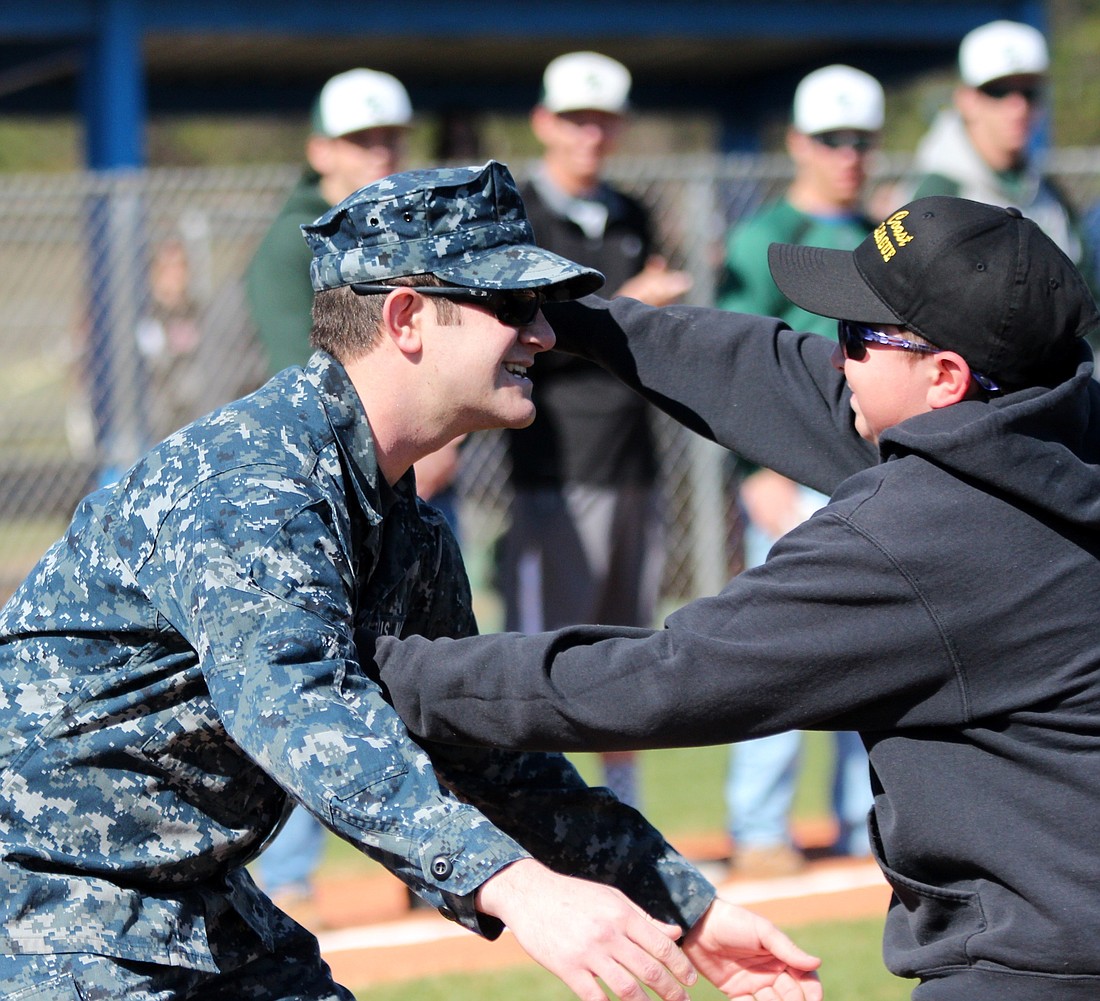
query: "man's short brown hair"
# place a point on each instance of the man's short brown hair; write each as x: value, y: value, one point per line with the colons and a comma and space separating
x: 346, y: 324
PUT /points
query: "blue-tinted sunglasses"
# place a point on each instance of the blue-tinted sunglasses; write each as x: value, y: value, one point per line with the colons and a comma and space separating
x: 512, y: 307
x: 854, y: 338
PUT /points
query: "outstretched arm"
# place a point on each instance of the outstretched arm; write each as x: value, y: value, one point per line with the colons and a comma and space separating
x: 825, y: 635
x: 747, y: 382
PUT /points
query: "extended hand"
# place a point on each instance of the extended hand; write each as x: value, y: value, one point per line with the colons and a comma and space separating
x: 581, y: 930
x: 747, y: 957
x: 773, y: 503
x: 656, y: 284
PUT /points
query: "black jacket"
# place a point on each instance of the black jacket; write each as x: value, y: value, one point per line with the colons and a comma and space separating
x: 588, y: 427
x: 944, y: 604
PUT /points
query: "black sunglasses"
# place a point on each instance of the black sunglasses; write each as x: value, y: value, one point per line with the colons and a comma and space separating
x: 512, y: 307
x: 861, y: 142
x: 999, y: 91
x: 854, y: 338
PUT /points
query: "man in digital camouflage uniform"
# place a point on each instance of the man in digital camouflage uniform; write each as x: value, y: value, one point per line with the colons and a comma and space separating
x: 182, y: 666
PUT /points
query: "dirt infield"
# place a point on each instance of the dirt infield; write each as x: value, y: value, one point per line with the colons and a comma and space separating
x: 369, y: 935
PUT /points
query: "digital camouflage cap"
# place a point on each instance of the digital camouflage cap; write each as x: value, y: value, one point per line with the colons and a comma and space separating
x: 465, y: 225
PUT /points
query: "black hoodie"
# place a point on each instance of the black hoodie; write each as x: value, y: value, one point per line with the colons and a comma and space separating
x: 946, y: 604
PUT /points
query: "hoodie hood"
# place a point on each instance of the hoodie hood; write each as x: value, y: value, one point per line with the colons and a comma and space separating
x: 1039, y: 447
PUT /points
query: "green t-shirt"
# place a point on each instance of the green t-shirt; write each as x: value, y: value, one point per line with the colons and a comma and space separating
x: 1016, y: 185
x: 280, y: 294
x: 747, y: 285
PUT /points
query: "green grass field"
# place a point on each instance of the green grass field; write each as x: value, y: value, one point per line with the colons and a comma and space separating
x: 851, y: 970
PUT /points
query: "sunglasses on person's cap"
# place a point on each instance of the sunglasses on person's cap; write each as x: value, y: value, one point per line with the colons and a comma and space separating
x: 512, y: 307
x: 854, y: 338
x: 861, y: 142
x: 998, y: 90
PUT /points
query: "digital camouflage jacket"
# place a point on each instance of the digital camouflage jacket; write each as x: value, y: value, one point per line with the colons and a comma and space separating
x: 189, y: 654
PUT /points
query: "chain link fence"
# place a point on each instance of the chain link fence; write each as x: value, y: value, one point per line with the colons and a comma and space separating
x: 122, y: 317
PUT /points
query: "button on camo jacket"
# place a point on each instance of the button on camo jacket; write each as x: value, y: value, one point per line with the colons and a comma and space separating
x: 189, y: 653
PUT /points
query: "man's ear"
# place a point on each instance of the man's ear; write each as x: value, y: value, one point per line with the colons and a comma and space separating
x: 951, y: 382
x: 402, y: 317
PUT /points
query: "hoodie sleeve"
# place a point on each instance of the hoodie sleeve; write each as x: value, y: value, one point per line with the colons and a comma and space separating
x: 828, y: 634
x: 747, y: 382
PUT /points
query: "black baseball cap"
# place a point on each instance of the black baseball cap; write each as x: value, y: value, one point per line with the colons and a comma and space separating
x: 968, y: 277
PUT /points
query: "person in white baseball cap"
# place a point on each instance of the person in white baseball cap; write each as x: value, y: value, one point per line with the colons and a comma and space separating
x: 836, y: 120
x: 585, y: 541
x: 578, y: 81
x: 359, y: 124
x: 358, y: 129
x: 361, y: 99
x: 838, y: 97
x: 979, y: 147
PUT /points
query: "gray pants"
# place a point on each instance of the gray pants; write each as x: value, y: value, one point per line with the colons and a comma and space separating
x: 583, y: 554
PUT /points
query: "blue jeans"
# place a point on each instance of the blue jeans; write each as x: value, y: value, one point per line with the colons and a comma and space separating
x: 760, y: 788
x: 289, y: 862
x: 763, y: 773
x: 761, y: 784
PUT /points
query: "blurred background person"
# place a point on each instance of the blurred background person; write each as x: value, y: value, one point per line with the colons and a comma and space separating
x: 189, y: 320
x: 585, y: 543
x: 358, y: 134
x: 836, y: 123
x: 979, y: 148
x: 170, y: 340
